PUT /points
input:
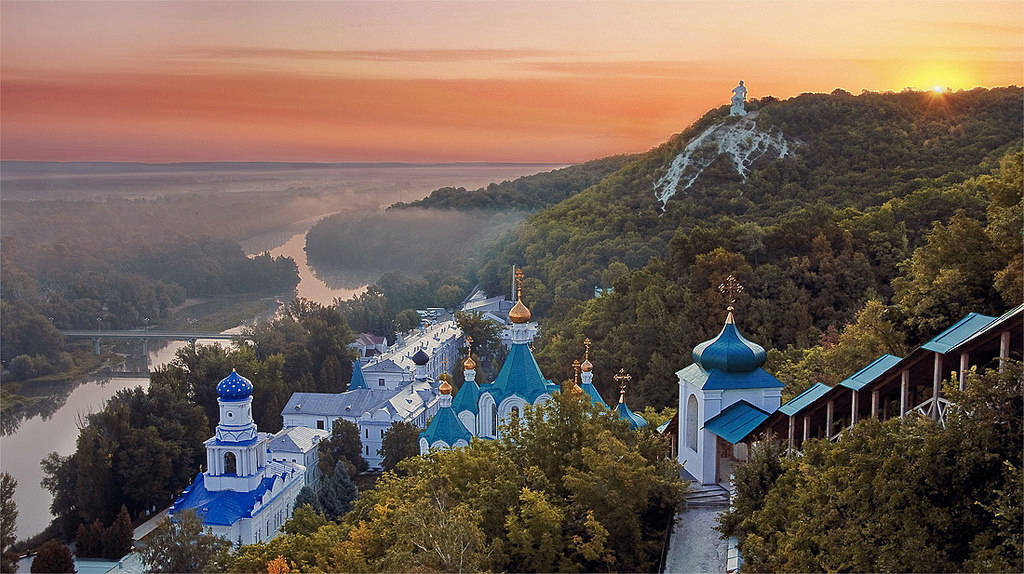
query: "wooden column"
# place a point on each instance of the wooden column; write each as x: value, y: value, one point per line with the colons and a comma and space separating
x: 792, y: 432
x: 1004, y: 349
x: 807, y: 427
x: 854, y: 406
x: 963, y: 369
x: 829, y: 414
x: 874, y: 404
x: 933, y: 411
x: 904, y: 391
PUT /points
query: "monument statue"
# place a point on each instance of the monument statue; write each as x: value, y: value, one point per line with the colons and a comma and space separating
x: 739, y: 96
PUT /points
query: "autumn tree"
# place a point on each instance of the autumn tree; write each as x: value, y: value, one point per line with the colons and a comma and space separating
x: 53, y: 556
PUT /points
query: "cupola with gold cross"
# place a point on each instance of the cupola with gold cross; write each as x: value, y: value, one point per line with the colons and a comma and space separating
x: 587, y: 375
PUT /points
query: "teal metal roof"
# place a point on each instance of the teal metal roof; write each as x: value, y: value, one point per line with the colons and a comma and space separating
x: 594, y: 395
x: 468, y: 398
x: 519, y: 376
x: 445, y: 427
x: 635, y: 421
x: 958, y: 332
x: 729, y: 351
x: 736, y: 421
x: 756, y: 379
x: 358, y: 381
x: 858, y: 380
x: 801, y: 401
x: 994, y: 324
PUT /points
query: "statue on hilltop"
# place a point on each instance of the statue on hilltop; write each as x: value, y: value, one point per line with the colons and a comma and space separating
x: 739, y: 97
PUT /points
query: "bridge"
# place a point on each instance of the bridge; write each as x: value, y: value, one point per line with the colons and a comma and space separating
x: 145, y: 335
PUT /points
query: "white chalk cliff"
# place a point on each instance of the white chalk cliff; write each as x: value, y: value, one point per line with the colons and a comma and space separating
x: 740, y: 140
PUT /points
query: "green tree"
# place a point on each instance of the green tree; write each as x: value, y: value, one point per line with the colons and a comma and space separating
x: 8, y: 522
x: 182, y: 545
x: 337, y: 492
x: 307, y: 497
x: 400, y: 441
x: 53, y: 556
x: 89, y: 540
x: 345, y: 446
x: 305, y: 520
x: 534, y: 532
x: 119, y: 538
x: 487, y: 344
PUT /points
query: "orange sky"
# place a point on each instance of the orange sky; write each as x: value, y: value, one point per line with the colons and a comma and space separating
x: 435, y: 81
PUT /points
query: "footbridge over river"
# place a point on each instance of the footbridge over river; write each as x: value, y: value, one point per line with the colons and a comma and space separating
x: 145, y: 335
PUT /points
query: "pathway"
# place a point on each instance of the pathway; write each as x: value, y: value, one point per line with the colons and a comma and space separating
x: 695, y: 545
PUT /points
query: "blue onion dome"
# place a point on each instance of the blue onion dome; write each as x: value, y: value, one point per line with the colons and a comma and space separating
x: 729, y: 351
x: 234, y: 387
x: 421, y: 358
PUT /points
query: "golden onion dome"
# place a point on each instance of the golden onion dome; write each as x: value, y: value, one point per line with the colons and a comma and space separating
x: 469, y: 364
x: 446, y: 386
x: 519, y: 313
x: 586, y: 366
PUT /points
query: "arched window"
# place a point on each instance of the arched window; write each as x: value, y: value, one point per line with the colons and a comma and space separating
x: 514, y: 412
x: 494, y: 420
x: 691, y: 422
x: 229, y: 463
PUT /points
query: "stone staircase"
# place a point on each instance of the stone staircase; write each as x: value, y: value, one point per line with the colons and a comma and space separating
x: 707, y: 496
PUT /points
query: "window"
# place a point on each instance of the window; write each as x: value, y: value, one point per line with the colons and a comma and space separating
x: 494, y: 420
x: 691, y: 422
x: 367, y: 449
x: 320, y: 425
x: 380, y: 382
x: 514, y: 412
x: 229, y: 463
x: 382, y: 434
x: 367, y: 433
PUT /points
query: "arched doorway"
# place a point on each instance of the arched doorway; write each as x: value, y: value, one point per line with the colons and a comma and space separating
x: 230, y: 466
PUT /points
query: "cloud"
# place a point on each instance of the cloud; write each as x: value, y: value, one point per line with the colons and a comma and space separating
x: 390, y: 55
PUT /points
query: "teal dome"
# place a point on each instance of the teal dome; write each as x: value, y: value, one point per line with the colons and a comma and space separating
x: 729, y: 351
x: 234, y: 387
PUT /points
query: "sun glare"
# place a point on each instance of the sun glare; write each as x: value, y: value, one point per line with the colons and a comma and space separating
x: 938, y: 89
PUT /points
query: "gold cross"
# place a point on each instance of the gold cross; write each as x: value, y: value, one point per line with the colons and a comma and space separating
x: 519, y: 283
x: 731, y: 288
x: 586, y: 354
x: 622, y: 378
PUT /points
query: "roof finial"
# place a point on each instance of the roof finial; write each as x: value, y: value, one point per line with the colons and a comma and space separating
x: 731, y: 288
x: 576, y: 388
x: 519, y: 313
x: 519, y: 284
x: 622, y: 378
x: 586, y: 366
x: 469, y: 364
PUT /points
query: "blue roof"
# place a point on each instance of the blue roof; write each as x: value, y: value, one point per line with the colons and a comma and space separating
x: 958, y: 332
x: 222, y: 507
x: 519, y: 376
x: 995, y: 324
x: 446, y: 427
x: 595, y: 396
x: 468, y: 398
x: 756, y: 379
x: 357, y: 382
x: 635, y: 421
x: 729, y: 351
x: 801, y: 401
x: 858, y: 380
x: 736, y: 421
x: 234, y: 387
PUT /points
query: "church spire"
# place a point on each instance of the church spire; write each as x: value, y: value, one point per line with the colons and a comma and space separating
x: 587, y: 375
x: 576, y: 389
x: 635, y: 421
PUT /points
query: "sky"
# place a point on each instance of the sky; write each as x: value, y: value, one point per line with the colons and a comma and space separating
x: 452, y: 81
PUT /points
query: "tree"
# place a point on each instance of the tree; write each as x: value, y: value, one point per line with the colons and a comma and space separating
x: 8, y: 521
x: 89, y: 540
x: 400, y: 441
x: 119, y: 537
x: 307, y: 497
x: 182, y: 545
x: 486, y: 342
x: 337, y: 492
x: 344, y: 445
x: 53, y: 556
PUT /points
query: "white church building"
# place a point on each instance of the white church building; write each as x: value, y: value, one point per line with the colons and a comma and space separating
x: 243, y: 496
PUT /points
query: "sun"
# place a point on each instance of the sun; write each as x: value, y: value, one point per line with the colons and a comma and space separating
x: 938, y: 89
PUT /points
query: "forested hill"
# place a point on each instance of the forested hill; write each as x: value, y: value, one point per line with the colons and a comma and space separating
x: 527, y: 193
x: 818, y: 203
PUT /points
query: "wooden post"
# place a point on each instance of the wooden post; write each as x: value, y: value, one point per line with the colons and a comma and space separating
x: 904, y: 391
x: 874, y: 404
x: 854, y: 405
x: 933, y: 410
x: 792, y: 433
x: 807, y: 427
x: 963, y: 370
x: 829, y: 414
x: 1004, y: 349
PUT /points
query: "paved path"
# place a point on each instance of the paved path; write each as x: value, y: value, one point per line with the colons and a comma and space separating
x: 148, y: 526
x: 695, y: 545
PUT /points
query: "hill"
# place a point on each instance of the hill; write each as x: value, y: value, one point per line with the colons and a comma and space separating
x: 527, y: 193
x: 818, y: 204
